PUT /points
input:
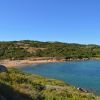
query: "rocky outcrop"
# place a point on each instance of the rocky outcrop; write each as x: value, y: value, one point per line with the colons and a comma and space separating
x: 82, y: 90
x: 2, y: 98
x: 3, y: 68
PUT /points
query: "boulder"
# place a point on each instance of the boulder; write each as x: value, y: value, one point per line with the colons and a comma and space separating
x: 3, y: 68
x: 82, y: 90
x: 2, y: 98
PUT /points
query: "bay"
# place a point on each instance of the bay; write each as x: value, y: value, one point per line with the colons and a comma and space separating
x: 84, y: 74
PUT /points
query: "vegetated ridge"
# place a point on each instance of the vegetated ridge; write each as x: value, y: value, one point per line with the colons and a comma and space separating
x: 27, y: 48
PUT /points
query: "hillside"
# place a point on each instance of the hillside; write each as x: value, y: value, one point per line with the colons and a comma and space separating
x: 16, y: 85
x: 26, y: 48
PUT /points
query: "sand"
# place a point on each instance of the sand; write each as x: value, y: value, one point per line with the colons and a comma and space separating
x: 20, y: 63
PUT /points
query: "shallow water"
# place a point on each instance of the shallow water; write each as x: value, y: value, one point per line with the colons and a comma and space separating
x: 85, y: 74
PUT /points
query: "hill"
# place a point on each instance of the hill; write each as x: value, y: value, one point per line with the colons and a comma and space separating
x: 26, y: 48
x: 16, y: 85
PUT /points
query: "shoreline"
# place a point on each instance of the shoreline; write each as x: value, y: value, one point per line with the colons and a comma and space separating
x: 22, y: 63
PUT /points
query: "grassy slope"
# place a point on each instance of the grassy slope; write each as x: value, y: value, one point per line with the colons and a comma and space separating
x: 16, y: 85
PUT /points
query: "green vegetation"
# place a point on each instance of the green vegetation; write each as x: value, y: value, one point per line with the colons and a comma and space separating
x: 26, y: 48
x: 16, y: 85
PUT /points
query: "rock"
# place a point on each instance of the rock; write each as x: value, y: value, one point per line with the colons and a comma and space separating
x: 3, y: 68
x: 2, y: 98
x: 82, y: 90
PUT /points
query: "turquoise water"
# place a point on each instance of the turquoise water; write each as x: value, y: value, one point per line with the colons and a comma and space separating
x: 85, y: 74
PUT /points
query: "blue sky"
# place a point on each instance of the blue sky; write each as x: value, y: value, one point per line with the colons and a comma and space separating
x: 76, y: 21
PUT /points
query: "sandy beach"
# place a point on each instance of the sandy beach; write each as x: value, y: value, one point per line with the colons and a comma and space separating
x: 20, y: 63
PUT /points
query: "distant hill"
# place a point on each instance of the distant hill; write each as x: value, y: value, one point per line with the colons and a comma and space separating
x: 27, y: 48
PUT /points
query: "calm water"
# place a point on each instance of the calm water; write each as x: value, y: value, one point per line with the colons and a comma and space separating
x: 85, y: 74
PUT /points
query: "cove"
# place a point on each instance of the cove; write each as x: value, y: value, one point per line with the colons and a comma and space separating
x: 85, y: 74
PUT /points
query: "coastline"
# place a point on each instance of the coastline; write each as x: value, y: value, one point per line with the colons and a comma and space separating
x: 21, y: 63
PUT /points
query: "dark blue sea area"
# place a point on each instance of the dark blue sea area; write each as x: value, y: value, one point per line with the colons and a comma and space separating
x: 84, y: 74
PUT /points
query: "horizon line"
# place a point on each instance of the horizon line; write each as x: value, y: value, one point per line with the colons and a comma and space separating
x: 50, y: 41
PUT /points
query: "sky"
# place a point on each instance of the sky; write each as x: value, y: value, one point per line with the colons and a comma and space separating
x: 72, y: 21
